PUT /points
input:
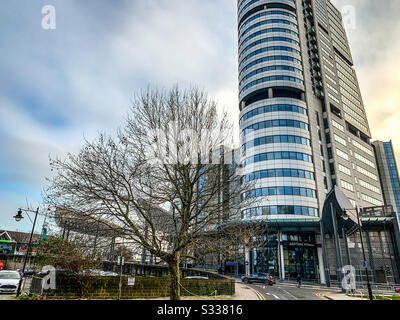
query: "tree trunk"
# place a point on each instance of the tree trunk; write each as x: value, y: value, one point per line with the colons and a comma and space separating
x: 174, y: 272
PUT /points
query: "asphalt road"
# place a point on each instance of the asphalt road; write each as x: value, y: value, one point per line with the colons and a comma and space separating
x: 285, y: 291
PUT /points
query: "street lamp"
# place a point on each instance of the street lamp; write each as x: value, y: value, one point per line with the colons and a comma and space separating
x: 18, y: 218
x: 363, y: 251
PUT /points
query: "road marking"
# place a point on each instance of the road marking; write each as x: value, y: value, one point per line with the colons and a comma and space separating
x: 274, y: 295
x: 309, y: 287
x: 290, y: 294
x: 258, y: 293
x: 321, y: 296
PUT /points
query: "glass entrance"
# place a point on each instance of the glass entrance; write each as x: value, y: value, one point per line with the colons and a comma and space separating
x: 300, y: 256
x: 300, y: 260
x: 267, y: 261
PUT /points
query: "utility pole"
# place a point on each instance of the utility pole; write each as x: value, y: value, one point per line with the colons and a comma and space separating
x: 18, y: 217
x: 365, y: 259
x: 120, y: 276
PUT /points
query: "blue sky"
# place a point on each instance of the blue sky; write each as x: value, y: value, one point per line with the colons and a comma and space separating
x: 59, y: 86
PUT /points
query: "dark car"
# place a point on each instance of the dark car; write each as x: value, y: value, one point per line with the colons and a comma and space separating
x: 259, y: 277
x: 28, y: 272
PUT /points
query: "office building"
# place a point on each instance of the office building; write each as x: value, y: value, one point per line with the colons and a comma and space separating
x: 304, y: 131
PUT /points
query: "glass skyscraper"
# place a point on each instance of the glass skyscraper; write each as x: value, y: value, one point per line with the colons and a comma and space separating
x: 389, y: 173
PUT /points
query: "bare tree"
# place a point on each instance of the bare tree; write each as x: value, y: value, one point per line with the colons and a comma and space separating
x: 158, y: 183
x: 229, y: 239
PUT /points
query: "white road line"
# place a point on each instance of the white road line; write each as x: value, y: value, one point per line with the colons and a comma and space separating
x: 310, y: 288
x: 274, y: 295
x: 290, y: 294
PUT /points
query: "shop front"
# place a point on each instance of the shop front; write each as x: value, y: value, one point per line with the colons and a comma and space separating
x: 299, y: 256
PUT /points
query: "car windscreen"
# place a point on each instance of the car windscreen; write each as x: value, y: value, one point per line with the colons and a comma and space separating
x: 9, y: 275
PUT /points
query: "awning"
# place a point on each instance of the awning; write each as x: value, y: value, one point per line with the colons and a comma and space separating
x: 345, y: 212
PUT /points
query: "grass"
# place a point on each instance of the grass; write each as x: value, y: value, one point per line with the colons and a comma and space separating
x: 376, y: 297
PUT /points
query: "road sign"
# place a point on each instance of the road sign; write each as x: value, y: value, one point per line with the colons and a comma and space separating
x: 247, y: 263
x: 364, y: 264
x: 131, y: 281
x: 119, y: 260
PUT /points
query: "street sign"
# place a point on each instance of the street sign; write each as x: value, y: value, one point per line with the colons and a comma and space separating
x: 131, y: 281
x: 119, y: 260
x: 44, y: 234
x: 247, y: 263
x: 364, y: 264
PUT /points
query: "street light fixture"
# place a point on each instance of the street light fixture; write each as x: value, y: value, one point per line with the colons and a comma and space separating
x: 345, y: 216
x: 18, y: 218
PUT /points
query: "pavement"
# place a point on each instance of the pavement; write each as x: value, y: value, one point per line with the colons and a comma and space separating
x: 340, y: 296
x: 245, y: 292
x: 7, y: 296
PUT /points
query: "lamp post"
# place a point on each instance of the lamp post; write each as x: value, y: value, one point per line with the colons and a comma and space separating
x: 18, y: 218
x: 363, y: 251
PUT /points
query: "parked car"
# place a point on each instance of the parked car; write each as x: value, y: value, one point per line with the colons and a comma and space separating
x: 196, y: 277
x: 9, y: 281
x: 259, y: 277
x: 397, y: 289
x: 28, y: 272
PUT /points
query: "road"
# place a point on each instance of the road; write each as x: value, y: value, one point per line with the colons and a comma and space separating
x: 286, y: 291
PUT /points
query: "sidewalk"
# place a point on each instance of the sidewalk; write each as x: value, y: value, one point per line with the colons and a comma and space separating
x: 7, y: 297
x: 243, y: 292
x: 340, y: 296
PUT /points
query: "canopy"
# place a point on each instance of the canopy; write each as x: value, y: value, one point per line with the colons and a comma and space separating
x: 345, y: 212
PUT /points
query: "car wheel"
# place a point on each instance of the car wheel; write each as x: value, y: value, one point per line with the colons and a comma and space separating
x: 245, y: 280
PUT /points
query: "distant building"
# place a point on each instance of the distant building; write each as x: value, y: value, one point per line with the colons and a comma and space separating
x: 389, y: 174
x: 13, y: 247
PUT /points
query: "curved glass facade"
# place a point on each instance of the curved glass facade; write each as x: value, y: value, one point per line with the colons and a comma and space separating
x: 279, y: 173
x: 275, y: 123
x: 281, y: 191
x: 280, y: 210
x: 276, y: 139
x: 278, y: 155
x: 273, y: 108
x: 271, y: 69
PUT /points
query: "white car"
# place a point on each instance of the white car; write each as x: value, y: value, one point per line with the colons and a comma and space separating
x: 9, y: 281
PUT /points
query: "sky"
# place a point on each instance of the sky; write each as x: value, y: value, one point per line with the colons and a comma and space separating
x: 61, y: 86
